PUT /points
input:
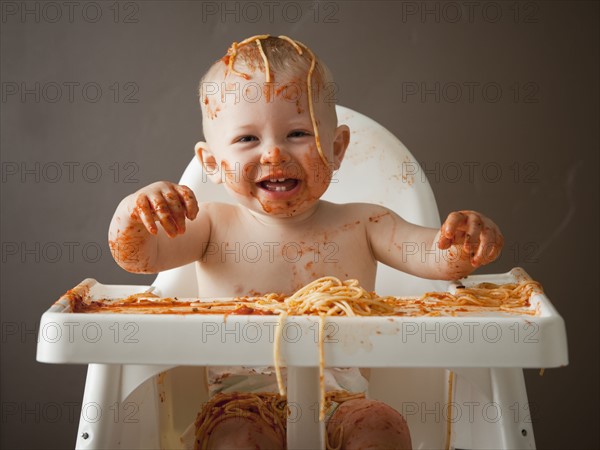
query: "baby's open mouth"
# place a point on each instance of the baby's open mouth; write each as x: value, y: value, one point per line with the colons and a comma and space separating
x: 279, y: 184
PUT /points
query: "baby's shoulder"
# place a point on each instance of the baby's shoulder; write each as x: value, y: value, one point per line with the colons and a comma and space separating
x: 358, y: 211
x: 218, y: 209
x: 218, y: 205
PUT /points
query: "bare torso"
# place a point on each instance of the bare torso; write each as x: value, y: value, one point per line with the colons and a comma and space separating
x: 253, y: 255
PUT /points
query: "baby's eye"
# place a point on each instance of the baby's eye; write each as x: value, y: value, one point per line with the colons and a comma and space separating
x: 247, y: 139
x: 298, y: 133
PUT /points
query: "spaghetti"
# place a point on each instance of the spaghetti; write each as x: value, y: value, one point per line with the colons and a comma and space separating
x: 328, y: 297
x: 232, y: 53
x: 449, y: 411
x: 268, y: 408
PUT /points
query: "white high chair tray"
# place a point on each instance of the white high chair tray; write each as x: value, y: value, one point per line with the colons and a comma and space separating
x: 470, y: 340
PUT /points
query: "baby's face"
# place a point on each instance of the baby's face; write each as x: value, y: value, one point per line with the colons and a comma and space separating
x: 264, y: 145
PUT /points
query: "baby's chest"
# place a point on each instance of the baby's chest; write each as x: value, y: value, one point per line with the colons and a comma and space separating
x: 308, y: 248
x: 270, y: 260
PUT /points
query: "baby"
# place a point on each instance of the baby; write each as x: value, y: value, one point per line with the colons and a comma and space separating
x: 273, y: 141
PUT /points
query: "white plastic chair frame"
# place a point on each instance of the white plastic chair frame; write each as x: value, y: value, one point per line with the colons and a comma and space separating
x: 396, y: 181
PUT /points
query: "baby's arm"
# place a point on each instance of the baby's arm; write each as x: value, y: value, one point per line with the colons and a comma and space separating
x: 139, y: 245
x: 465, y: 241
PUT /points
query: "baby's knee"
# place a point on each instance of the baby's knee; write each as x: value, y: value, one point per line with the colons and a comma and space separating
x: 369, y: 424
x: 241, y: 433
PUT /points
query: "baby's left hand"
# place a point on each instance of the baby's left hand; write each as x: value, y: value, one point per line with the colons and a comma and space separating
x: 474, y: 235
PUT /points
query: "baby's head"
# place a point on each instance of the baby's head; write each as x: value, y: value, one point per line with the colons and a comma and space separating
x: 274, y: 146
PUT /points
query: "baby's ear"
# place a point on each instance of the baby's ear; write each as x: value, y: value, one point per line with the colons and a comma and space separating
x: 208, y: 161
x: 340, y: 144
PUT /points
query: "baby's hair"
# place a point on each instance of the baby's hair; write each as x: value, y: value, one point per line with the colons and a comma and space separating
x: 277, y: 57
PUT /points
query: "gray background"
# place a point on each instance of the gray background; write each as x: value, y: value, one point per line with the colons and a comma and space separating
x: 542, y: 133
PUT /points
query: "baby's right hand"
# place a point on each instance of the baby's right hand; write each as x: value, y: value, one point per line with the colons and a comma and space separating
x: 165, y: 202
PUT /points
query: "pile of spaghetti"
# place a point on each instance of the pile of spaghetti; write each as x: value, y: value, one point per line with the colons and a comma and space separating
x: 329, y: 296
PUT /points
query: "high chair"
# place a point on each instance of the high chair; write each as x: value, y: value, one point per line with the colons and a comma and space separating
x: 461, y: 396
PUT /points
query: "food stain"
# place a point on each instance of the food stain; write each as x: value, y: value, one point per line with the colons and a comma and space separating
x: 377, y: 217
x: 231, y: 177
x: 126, y: 248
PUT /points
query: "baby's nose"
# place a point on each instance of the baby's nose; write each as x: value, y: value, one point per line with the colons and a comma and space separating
x: 274, y: 156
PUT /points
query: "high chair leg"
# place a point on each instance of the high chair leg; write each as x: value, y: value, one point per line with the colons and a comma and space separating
x: 304, y: 430
x: 489, y: 410
x: 508, y: 385
x: 102, y: 395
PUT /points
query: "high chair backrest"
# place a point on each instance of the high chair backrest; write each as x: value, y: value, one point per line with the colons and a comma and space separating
x: 377, y: 168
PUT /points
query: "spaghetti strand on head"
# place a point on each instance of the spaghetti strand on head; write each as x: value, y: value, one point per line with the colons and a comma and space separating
x: 266, y: 61
x: 311, y: 108
x: 233, y: 53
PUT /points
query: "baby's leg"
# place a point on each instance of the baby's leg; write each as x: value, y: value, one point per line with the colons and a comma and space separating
x: 369, y: 424
x: 242, y: 433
